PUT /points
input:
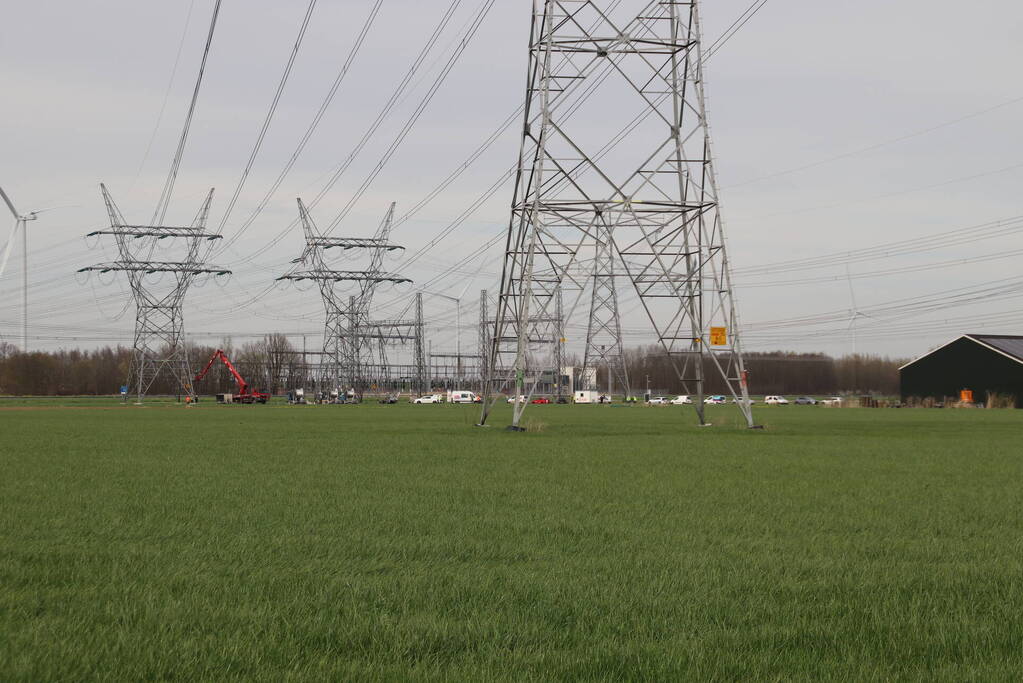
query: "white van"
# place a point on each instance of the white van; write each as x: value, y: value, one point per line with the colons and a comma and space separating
x: 585, y: 397
x: 462, y: 397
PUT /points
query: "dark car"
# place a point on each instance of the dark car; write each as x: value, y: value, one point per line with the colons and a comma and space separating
x: 806, y: 401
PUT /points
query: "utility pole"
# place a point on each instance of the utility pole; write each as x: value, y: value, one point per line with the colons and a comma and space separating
x: 159, y: 323
x: 654, y: 213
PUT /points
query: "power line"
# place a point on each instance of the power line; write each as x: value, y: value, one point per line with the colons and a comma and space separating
x: 877, y: 145
x: 270, y: 112
x: 166, y: 95
x: 168, y: 187
x: 311, y: 128
x: 957, y: 236
x: 368, y: 134
x: 417, y: 113
x: 733, y: 29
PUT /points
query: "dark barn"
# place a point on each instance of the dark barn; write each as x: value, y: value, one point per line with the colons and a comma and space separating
x: 981, y: 363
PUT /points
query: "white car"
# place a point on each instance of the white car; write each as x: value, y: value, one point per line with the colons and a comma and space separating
x: 776, y: 400
x: 520, y: 399
x: 834, y: 401
x: 715, y: 400
x: 749, y: 401
x: 430, y: 398
x: 681, y: 401
x: 658, y: 401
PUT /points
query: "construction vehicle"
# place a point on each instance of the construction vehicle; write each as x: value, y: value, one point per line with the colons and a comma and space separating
x: 245, y: 393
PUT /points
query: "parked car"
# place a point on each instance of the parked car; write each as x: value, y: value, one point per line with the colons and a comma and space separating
x: 776, y: 400
x: 512, y: 399
x: 541, y: 401
x: 716, y: 400
x: 429, y: 398
x: 749, y: 401
x: 389, y: 399
x: 806, y: 401
x: 658, y: 401
x: 681, y: 400
x: 462, y: 396
x: 833, y: 401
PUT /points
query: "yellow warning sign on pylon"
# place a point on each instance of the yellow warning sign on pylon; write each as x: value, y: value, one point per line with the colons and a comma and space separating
x: 718, y: 336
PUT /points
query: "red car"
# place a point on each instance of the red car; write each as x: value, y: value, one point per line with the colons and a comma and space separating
x: 541, y: 400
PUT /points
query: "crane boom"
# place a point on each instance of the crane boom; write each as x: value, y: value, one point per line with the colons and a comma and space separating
x: 244, y: 393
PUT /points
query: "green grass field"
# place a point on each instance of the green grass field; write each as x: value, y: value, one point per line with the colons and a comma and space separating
x: 273, y: 542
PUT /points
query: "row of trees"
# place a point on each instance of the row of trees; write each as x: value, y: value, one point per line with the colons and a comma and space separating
x: 774, y: 373
x: 270, y: 364
x: 273, y: 364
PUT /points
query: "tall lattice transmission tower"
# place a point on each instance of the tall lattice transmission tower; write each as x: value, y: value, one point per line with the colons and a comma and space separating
x: 604, y: 346
x: 351, y: 341
x: 647, y: 210
x: 158, y: 288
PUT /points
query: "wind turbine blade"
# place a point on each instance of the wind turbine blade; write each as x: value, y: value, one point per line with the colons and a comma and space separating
x: 10, y: 204
x: 59, y: 206
x: 10, y: 244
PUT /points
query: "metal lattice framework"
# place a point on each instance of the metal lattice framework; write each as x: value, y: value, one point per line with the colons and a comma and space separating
x: 354, y: 346
x: 650, y: 206
x: 159, y: 323
x: 604, y: 345
x: 485, y: 342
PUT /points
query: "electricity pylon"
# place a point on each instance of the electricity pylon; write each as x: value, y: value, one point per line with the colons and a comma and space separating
x: 654, y: 201
x: 349, y: 335
x: 604, y: 332
x: 159, y: 324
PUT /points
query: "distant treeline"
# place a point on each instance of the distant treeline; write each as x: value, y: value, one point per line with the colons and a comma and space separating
x: 267, y: 363
x: 273, y: 364
x: 777, y: 372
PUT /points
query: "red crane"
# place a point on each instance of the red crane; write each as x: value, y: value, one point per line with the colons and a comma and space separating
x: 244, y: 395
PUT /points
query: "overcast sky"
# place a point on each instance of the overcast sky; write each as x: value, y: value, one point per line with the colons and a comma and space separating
x: 837, y: 126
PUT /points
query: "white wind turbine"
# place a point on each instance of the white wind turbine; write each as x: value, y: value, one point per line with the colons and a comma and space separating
x: 21, y: 221
x: 854, y: 313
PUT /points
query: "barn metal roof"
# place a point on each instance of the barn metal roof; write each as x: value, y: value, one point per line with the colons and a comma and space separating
x: 1010, y: 345
x: 1006, y: 344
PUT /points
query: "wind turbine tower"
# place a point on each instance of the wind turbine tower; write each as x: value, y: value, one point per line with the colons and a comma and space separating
x: 20, y: 223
